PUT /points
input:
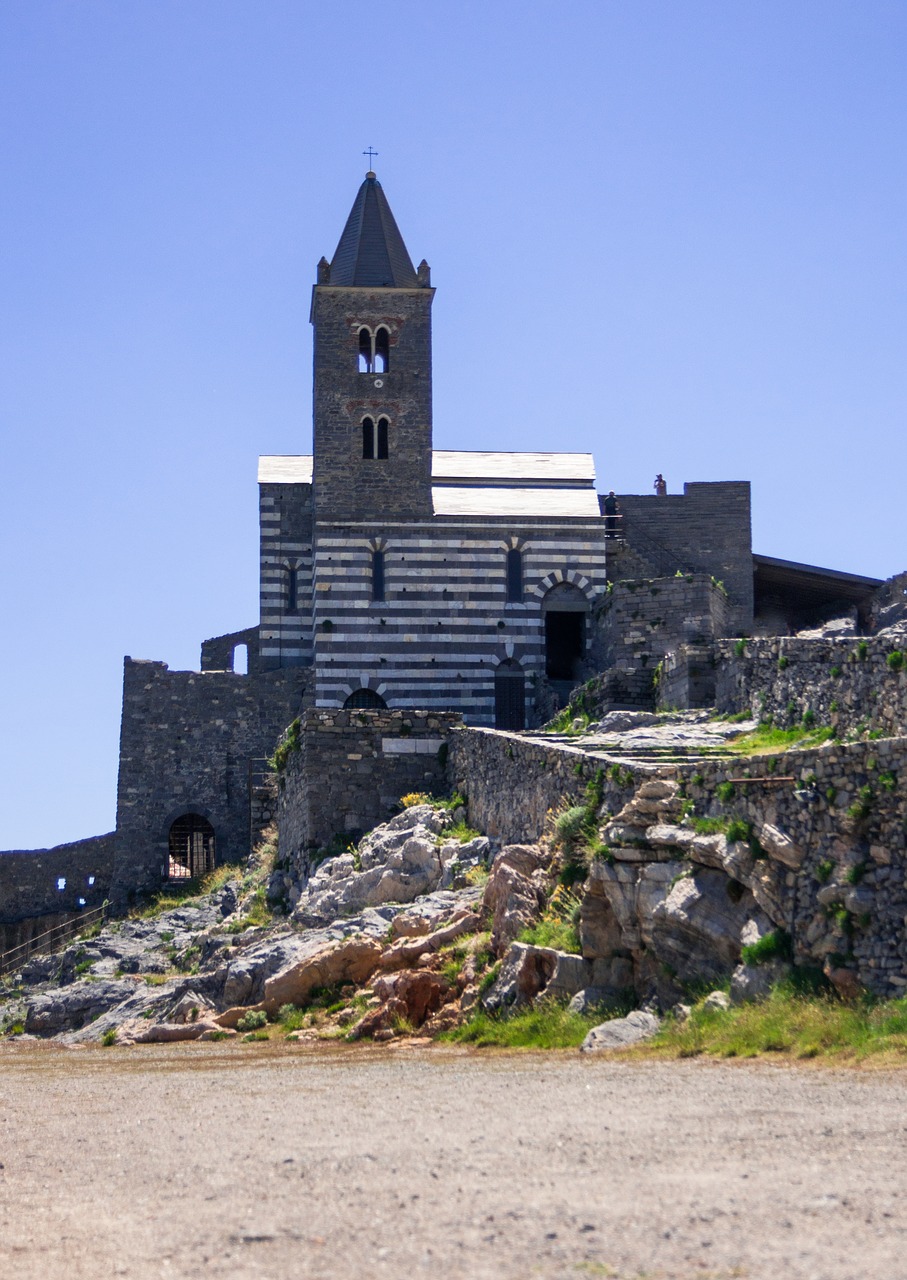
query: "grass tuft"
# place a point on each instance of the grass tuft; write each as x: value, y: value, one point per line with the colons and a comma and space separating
x: 545, y: 1026
x: 791, y: 1024
x: 775, y: 945
x: 767, y: 738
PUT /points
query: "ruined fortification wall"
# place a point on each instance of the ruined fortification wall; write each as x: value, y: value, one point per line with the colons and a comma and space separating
x: 706, y: 529
x: 30, y: 878
x: 639, y: 621
x: 194, y: 742
x: 828, y: 857
x: 686, y: 679
x: 844, y: 683
x: 219, y: 653
x: 350, y: 770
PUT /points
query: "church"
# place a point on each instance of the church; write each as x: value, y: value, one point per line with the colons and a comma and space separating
x: 403, y: 580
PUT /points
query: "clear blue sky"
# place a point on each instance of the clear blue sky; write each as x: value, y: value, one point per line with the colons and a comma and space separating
x: 673, y: 234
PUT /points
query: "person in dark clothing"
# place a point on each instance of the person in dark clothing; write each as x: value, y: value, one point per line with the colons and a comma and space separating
x: 611, y: 511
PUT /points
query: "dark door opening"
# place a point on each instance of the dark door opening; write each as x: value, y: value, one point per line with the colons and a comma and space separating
x: 564, y: 636
x: 191, y: 844
x: 509, y: 697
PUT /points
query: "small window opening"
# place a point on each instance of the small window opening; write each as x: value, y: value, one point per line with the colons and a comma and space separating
x: 382, y: 351
x: 91, y: 880
x: 61, y: 883
x: 382, y: 438
x: 365, y: 700
x: 292, y: 588
x: 191, y: 848
x: 241, y: 659
x: 377, y: 575
x: 514, y: 576
x: 365, y: 351
x: 81, y: 902
x: 368, y: 438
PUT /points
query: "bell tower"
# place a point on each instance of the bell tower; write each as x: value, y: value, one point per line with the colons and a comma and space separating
x: 371, y: 311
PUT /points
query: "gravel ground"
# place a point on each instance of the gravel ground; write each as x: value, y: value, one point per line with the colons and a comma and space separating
x: 257, y: 1160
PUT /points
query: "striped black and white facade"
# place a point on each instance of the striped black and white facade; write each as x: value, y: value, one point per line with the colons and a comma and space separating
x: 445, y: 624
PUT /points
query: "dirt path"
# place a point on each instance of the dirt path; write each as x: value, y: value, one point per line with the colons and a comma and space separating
x: 251, y: 1160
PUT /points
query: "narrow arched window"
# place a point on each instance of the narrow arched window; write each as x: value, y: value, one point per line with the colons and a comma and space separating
x: 377, y: 575
x: 365, y: 351
x: 382, y: 351
x: 514, y: 576
x: 292, y: 588
x: 368, y: 438
x: 382, y: 438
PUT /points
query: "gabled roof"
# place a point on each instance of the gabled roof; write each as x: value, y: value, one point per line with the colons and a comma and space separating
x: 461, y: 468
x: 371, y: 251
x: 552, y: 501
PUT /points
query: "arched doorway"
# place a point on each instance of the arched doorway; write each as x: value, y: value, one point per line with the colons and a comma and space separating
x: 509, y: 696
x: 191, y: 847
x: 365, y: 699
x: 564, y: 609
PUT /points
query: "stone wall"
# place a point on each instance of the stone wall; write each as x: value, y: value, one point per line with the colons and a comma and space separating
x: 828, y: 857
x: 706, y: 529
x: 638, y: 622
x: 350, y: 770
x: 512, y: 784
x: 219, y: 653
x: 30, y: 878
x: 845, y: 683
x: 686, y: 679
x: 194, y: 742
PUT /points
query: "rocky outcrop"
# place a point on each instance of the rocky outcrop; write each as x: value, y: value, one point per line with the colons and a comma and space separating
x: 399, y: 861
x: 312, y: 965
x: 516, y: 892
x: 71, y: 1007
x: 406, y: 1000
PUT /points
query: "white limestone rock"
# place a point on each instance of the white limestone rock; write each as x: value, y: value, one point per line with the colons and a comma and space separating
x: 397, y: 862
x: 620, y: 1033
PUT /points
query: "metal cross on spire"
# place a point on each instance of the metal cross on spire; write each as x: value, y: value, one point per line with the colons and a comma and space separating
x: 370, y: 153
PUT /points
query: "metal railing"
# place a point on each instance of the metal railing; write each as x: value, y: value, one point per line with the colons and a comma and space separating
x: 51, y: 940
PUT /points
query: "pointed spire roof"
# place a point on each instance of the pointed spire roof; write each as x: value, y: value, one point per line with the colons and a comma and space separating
x: 371, y: 251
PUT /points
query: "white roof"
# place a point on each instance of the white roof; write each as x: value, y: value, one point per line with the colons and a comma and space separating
x: 484, y: 484
x: 544, y: 468
x: 509, y: 500
x: 285, y: 469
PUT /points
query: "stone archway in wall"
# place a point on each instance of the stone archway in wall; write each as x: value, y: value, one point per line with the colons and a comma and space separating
x: 191, y: 847
x: 365, y: 699
x: 565, y: 613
